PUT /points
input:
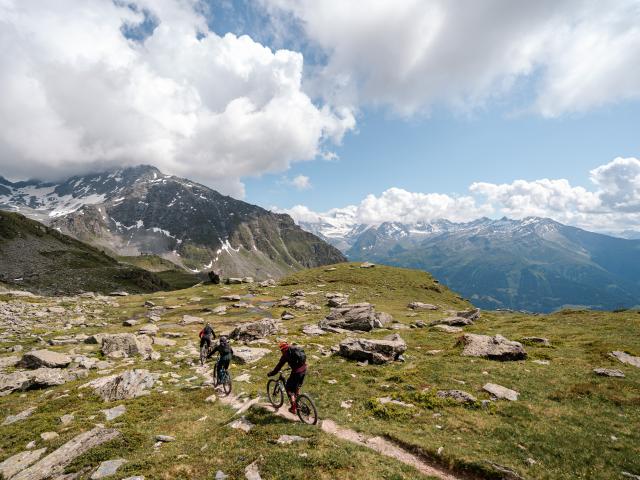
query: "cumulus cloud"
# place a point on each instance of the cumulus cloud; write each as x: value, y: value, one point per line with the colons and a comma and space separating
x: 415, y: 54
x: 614, y: 204
x: 79, y: 94
x: 300, y: 182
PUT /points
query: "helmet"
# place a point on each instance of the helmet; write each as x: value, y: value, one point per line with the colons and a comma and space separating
x: 283, y: 346
x: 224, y: 340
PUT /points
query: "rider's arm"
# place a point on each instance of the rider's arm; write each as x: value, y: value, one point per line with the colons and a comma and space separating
x: 283, y: 360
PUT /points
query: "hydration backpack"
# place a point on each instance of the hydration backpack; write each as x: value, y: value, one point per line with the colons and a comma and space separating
x: 297, y: 357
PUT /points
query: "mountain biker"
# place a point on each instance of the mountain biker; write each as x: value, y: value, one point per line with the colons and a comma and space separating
x: 226, y: 353
x: 297, y: 360
x: 206, y: 337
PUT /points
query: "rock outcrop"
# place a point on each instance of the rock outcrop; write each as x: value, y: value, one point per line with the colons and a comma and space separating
x: 129, y: 344
x: 44, y: 358
x: 374, y: 351
x: 122, y: 386
x: 357, y: 316
x: 494, y: 348
x: 255, y: 330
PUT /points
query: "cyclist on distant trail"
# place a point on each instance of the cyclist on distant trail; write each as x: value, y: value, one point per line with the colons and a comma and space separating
x: 226, y: 353
x: 206, y: 337
x: 297, y: 360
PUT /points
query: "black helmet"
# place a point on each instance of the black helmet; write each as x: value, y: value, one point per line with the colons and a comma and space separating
x: 224, y: 340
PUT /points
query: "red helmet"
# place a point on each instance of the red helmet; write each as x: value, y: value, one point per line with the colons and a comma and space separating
x: 283, y: 346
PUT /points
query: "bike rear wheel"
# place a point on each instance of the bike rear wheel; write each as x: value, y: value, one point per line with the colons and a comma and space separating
x: 226, y: 383
x: 307, y: 412
x: 275, y: 393
x: 203, y: 354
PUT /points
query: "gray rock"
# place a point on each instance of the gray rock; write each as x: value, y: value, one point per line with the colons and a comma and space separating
x: 543, y: 342
x: 242, y: 424
x: 122, y: 386
x: 108, y: 468
x: 67, y: 419
x: 626, y: 358
x: 472, y: 314
x: 459, y: 396
x: 493, y: 348
x: 220, y: 475
x: 501, y: 392
x: 289, y: 439
x: 255, y: 330
x: 268, y: 283
x: 287, y: 316
x: 243, y: 355
x: 357, y: 316
x: 9, y: 362
x: 38, y: 378
x: 233, y: 281
x: 149, y: 303
x: 252, y: 472
x: 165, y: 438
x: 367, y: 265
x: 190, y: 319
x: 163, y: 342
x: 313, y: 330
x: 609, y: 372
x: 373, y: 351
x: 113, y: 413
x: 128, y: 343
x: 447, y: 328
x: 149, y: 329
x: 18, y: 416
x: 230, y: 298
x: 453, y: 322
x: 135, y: 477
x: 44, y: 358
x: 422, y: 306
x: 18, y: 462
x: 48, y: 436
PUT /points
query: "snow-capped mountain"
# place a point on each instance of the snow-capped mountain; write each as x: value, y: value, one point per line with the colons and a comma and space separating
x: 141, y: 210
x: 533, y: 264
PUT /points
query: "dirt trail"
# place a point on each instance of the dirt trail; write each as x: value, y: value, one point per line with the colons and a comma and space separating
x: 377, y: 444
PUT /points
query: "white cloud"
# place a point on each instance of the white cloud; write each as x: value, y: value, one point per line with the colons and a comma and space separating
x: 78, y: 95
x: 300, y: 182
x: 614, y: 205
x: 414, y: 54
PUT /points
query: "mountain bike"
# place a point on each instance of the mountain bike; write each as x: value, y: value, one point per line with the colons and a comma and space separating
x: 204, y: 353
x: 306, y: 410
x: 224, y: 380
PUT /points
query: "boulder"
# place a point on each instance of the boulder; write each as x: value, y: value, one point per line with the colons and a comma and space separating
x: 9, y: 362
x: 230, y: 298
x: 55, y: 463
x: 447, y: 328
x: 113, y: 413
x: 357, y: 316
x: 459, y: 396
x: 472, y: 314
x: 287, y: 316
x: 493, y: 348
x: 336, y: 302
x: 122, y: 386
x: 453, y: 322
x: 44, y: 358
x: 422, y: 306
x: 255, y: 330
x: 608, y: 372
x: 18, y: 462
x: 18, y: 416
x: 214, y: 277
x: 108, y: 468
x: 367, y: 265
x: 243, y: 355
x: 268, y: 283
x: 163, y: 342
x: 149, y: 304
x: 149, y: 329
x: 233, y: 281
x: 38, y: 378
x: 247, y: 279
x: 190, y: 319
x: 499, y: 391
x: 127, y: 343
x: 374, y: 351
x: 312, y: 330
x: 626, y: 358
x: 130, y: 322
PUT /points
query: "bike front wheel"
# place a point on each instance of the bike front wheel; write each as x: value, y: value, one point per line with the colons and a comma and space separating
x: 307, y: 412
x: 226, y: 383
x: 203, y: 354
x: 275, y: 393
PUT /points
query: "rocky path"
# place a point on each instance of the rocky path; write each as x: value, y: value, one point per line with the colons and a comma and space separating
x: 377, y: 444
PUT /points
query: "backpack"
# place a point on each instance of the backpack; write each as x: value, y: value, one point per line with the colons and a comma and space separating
x: 297, y: 357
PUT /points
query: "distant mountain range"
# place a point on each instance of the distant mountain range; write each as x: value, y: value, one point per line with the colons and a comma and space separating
x: 534, y: 264
x: 140, y: 210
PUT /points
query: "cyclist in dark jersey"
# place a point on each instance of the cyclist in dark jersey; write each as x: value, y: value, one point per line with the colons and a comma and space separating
x: 296, y: 359
x: 226, y: 353
x: 206, y: 336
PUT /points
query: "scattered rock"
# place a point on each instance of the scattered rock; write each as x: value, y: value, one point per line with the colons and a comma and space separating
x: 48, y: 436
x: 289, y: 439
x: 422, y: 306
x: 165, y: 438
x: 494, y: 348
x: 149, y: 329
x: 609, y: 372
x: 268, y: 283
x: 130, y: 323
x: 38, y: 378
x: 129, y: 344
x: 367, y: 265
x: 44, y: 358
x: 243, y: 355
x: 447, y: 328
x: 67, y: 419
x: 501, y: 392
x: 108, y: 468
x: 18, y: 462
x: 163, y: 342
x: 459, y: 396
x: 541, y: 362
x: 113, y: 413
x: 119, y: 293
x: 472, y: 314
x: 252, y: 472
x: 287, y: 316
x: 541, y: 341
x: 122, y: 386
x: 149, y: 304
x: 9, y: 362
x: 626, y: 358
x: 230, y: 298
x: 18, y: 416
x: 255, y: 330
x: 357, y: 316
x: 190, y: 319
x: 242, y: 424
x: 233, y: 281
x: 220, y: 475
x: 373, y: 351
x: 244, y: 378
x: 386, y: 400
x: 453, y: 322
x: 313, y: 330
